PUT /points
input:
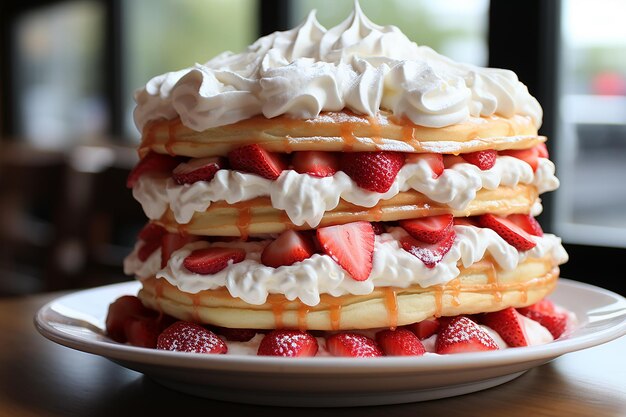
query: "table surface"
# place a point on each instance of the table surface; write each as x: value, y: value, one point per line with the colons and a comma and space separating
x: 40, y: 378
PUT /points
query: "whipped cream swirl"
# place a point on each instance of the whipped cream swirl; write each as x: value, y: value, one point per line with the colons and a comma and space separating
x: 356, y: 65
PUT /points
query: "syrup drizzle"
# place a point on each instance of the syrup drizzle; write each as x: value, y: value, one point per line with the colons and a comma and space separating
x: 347, y: 134
x: 391, y: 304
x: 303, y: 312
x: 172, y: 127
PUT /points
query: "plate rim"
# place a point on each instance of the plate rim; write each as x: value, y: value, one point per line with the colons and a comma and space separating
x: 324, y: 365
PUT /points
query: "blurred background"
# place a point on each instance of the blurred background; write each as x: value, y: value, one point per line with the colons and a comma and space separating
x: 68, y: 70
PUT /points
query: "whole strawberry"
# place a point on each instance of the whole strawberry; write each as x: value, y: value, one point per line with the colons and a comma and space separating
x: 184, y: 336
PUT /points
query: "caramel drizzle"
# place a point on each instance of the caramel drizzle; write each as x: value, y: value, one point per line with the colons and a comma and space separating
x: 347, y: 134
x: 391, y: 304
x: 303, y: 312
x: 376, y: 130
x: 172, y: 127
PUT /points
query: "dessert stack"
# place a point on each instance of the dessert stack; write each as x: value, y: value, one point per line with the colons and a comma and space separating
x: 340, y: 192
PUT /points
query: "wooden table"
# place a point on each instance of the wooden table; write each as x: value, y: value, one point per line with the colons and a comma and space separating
x: 40, y: 378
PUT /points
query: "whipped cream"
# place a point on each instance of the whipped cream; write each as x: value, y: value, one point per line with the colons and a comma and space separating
x: 356, y: 65
x: 305, y: 198
x: 252, y: 281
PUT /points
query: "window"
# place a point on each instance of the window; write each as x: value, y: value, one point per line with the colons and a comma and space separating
x: 164, y: 35
x: 590, y: 206
x: 58, y: 81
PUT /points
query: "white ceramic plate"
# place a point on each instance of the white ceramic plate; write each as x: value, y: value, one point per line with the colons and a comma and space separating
x: 77, y: 321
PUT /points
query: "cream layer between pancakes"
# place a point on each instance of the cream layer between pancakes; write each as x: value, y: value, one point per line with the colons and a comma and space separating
x: 252, y: 281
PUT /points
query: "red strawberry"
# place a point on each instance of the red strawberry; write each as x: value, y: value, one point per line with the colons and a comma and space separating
x: 184, y: 336
x: 212, y: 260
x: 542, y: 150
x: 463, y: 335
x: 142, y: 332
x: 151, y: 231
x: 450, y: 160
x: 236, y: 335
x: 353, y: 345
x: 147, y: 249
x: 151, y: 235
x: 509, y: 231
x: 290, y: 247
x: 482, y: 159
x: 256, y: 160
x: 526, y: 222
x: 529, y: 155
x: 399, y: 342
x: 425, y: 328
x: 200, y: 169
x: 315, y: 163
x: 151, y: 162
x: 351, y: 245
x: 373, y: 171
x: 429, y: 229
x: 121, y: 311
x: 508, y: 324
x: 171, y: 242
x: 435, y: 160
x: 429, y: 253
x: 545, y: 314
x: 288, y: 343
x: 556, y: 323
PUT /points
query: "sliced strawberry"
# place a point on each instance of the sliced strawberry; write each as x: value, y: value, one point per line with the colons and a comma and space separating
x: 288, y: 343
x: 184, y: 336
x: 463, y: 335
x: 399, y: 342
x: 199, y: 169
x: 430, y: 229
x: 450, y: 160
x: 542, y: 150
x: 256, y: 160
x: 508, y: 324
x: 509, y: 231
x: 151, y: 231
x: 529, y: 155
x: 434, y: 160
x: 425, y: 328
x: 171, y: 242
x: 373, y: 171
x: 315, y: 163
x: 353, y: 345
x: 351, y: 245
x: 236, y: 335
x: 147, y: 248
x: 290, y: 247
x: 429, y: 253
x: 526, y: 222
x: 545, y: 314
x: 482, y: 159
x: 142, y: 332
x: 212, y: 260
x: 556, y: 323
x: 121, y: 311
x: 150, y: 163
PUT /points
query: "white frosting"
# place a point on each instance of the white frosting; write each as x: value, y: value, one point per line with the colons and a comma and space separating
x: 305, y: 198
x: 356, y: 65
x: 252, y: 281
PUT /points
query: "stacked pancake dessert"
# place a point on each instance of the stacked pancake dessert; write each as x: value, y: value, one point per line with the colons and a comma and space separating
x: 340, y: 192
